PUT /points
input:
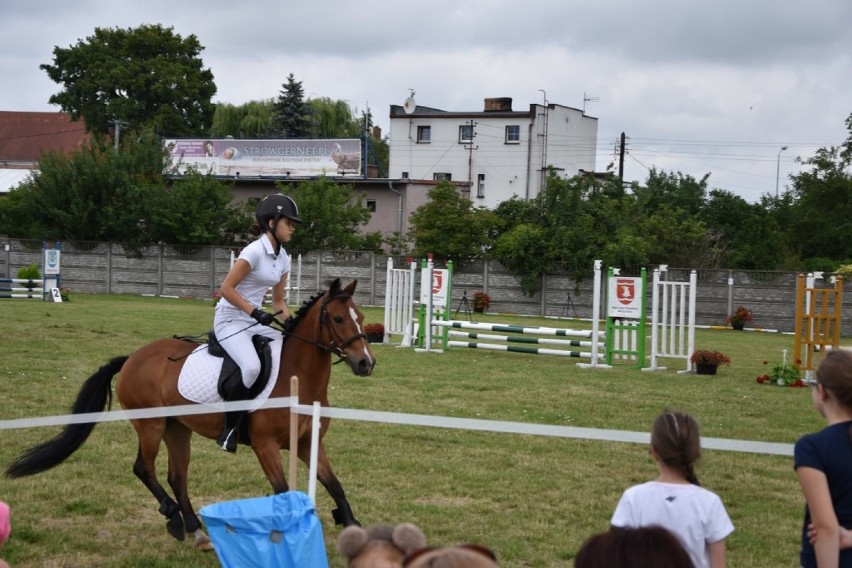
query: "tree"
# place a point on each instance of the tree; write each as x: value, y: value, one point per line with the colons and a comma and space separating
x: 144, y: 77
x: 332, y: 215
x: 745, y: 234
x: 450, y: 227
x: 822, y: 224
x: 333, y: 119
x: 99, y: 194
x: 292, y: 116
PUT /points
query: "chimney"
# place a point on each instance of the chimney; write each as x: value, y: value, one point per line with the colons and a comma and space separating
x: 501, y: 104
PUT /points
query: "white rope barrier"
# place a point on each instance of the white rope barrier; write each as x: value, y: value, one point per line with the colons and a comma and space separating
x: 756, y: 447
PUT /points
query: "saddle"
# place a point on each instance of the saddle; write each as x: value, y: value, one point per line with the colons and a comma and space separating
x: 230, y: 384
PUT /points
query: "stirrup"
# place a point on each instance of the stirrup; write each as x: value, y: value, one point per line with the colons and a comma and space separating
x: 227, y: 441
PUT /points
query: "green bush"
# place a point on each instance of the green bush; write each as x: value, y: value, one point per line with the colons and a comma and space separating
x: 817, y: 264
x: 29, y: 272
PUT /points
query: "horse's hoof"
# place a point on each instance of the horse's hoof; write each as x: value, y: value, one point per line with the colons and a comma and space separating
x: 205, y: 546
x: 340, y: 518
x: 174, y: 527
x: 202, y: 541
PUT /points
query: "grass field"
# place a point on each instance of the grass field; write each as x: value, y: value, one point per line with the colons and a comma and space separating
x: 532, y: 499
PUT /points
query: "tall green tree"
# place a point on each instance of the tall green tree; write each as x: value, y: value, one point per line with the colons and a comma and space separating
x: 822, y: 224
x: 334, y: 119
x: 292, y: 116
x: 742, y: 234
x: 332, y: 216
x: 250, y: 120
x: 144, y: 77
x: 450, y: 227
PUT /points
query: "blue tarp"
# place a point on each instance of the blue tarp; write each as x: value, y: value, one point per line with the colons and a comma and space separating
x: 282, y: 530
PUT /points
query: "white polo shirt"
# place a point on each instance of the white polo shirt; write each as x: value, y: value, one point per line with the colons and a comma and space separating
x: 266, y: 271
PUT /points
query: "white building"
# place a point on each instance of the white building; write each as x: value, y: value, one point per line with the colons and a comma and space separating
x: 494, y: 154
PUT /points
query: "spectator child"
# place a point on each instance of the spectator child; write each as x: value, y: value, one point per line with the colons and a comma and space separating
x: 633, y: 548
x: 675, y: 500
x: 823, y: 463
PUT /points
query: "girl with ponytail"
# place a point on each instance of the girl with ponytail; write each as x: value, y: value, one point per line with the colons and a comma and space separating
x: 823, y: 463
x: 675, y: 500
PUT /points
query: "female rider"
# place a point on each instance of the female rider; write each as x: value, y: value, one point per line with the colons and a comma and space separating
x: 262, y: 264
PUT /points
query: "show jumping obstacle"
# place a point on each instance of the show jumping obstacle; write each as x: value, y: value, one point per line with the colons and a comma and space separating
x: 509, y: 339
x: 399, y: 302
x: 21, y: 288
x: 672, y: 319
x: 45, y: 289
x: 817, y: 325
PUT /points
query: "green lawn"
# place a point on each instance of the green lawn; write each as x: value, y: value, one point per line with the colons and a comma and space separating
x: 533, y: 499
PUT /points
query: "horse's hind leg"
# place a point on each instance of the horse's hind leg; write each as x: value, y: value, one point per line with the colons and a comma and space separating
x: 150, y: 432
x: 343, y: 515
x: 177, y: 437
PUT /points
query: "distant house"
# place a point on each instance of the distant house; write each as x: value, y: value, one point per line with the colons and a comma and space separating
x: 24, y: 136
x: 492, y: 154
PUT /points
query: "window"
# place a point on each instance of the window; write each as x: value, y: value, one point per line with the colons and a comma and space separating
x: 404, y: 175
x: 371, y: 205
x: 480, y: 185
x: 513, y: 134
x: 465, y: 133
x: 424, y: 134
x: 442, y: 177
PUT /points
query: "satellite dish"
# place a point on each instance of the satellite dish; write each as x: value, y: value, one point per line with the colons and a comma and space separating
x: 409, y: 105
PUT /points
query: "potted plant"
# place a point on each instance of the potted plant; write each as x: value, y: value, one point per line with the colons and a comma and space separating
x: 783, y: 374
x: 739, y: 318
x: 481, y: 301
x: 375, y: 332
x: 707, y: 361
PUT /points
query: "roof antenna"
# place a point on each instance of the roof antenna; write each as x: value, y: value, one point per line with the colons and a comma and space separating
x: 409, y: 105
x: 588, y: 99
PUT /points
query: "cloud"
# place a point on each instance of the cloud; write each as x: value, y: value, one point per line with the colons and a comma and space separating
x: 697, y: 87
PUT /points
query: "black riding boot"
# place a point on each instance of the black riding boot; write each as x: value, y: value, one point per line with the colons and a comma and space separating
x: 228, y: 440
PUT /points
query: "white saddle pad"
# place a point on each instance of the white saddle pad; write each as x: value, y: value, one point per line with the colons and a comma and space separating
x: 200, y: 374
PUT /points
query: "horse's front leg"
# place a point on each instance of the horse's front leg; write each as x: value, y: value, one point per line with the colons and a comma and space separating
x: 343, y: 515
x: 268, y: 453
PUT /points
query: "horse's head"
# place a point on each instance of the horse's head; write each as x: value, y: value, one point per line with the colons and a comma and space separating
x: 341, y: 329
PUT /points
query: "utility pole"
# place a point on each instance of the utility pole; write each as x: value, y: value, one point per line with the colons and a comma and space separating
x: 470, y: 150
x: 621, y: 158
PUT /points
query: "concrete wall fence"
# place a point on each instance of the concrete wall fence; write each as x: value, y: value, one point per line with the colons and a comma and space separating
x: 196, y: 272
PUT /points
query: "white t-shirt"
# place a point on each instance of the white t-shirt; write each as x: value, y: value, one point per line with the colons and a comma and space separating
x: 266, y: 271
x: 694, y: 514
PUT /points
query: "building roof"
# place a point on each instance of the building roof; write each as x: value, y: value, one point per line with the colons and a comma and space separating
x: 10, y: 179
x: 24, y: 136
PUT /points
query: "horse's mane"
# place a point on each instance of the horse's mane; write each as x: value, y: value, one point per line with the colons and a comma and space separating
x: 334, y: 291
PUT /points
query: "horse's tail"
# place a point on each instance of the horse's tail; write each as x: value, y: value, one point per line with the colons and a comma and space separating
x: 94, y: 395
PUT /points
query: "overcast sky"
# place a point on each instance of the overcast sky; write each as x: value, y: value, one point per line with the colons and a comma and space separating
x: 697, y: 87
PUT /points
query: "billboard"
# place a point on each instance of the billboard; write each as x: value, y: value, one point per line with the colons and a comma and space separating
x: 274, y: 158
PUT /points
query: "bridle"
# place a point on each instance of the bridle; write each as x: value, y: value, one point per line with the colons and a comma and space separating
x: 336, y: 343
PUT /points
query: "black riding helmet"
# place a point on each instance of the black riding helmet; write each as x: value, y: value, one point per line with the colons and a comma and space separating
x: 273, y: 207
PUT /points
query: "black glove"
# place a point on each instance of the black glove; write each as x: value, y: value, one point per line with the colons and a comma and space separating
x: 262, y: 317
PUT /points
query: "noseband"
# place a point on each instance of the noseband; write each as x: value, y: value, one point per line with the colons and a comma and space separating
x: 336, y: 343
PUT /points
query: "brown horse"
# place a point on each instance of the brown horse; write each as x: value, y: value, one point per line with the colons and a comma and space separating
x: 329, y: 322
